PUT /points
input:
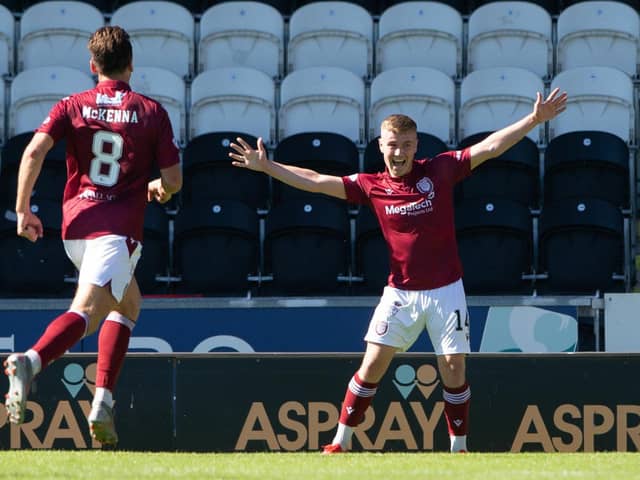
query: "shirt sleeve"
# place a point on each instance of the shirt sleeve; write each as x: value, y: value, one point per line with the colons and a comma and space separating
x: 456, y: 164
x: 55, y: 124
x: 354, y: 189
x: 167, y: 151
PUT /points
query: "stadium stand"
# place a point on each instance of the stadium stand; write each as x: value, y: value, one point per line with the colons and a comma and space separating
x: 162, y: 34
x: 510, y: 34
x: 425, y: 94
x: 155, y: 259
x: 242, y: 34
x: 336, y: 34
x: 167, y: 88
x: 322, y: 99
x: 238, y: 99
x: 7, y: 34
x: 56, y: 33
x: 599, y: 33
x: 492, y: 98
x: 427, y: 34
x: 209, y: 175
x: 371, y: 254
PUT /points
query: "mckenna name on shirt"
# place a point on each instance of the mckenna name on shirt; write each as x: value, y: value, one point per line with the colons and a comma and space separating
x: 110, y: 115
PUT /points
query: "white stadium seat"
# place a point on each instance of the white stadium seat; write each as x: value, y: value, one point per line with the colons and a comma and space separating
x: 425, y: 94
x: 600, y: 98
x: 604, y: 33
x: 233, y: 99
x: 242, y: 34
x: 493, y: 98
x: 510, y: 34
x: 35, y: 91
x: 7, y: 33
x: 322, y: 99
x: 56, y: 33
x: 167, y: 88
x: 162, y: 34
x: 427, y: 34
x: 338, y: 34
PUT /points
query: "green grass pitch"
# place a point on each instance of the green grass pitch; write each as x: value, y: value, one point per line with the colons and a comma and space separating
x: 39, y: 464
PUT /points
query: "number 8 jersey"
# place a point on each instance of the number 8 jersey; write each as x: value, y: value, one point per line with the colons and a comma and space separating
x: 115, y: 140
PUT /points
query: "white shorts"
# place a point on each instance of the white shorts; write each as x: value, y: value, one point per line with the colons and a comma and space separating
x: 110, y: 258
x: 402, y: 315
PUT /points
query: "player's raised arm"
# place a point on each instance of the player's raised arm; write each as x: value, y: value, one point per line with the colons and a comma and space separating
x: 28, y: 224
x: 245, y: 156
x: 500, y: 141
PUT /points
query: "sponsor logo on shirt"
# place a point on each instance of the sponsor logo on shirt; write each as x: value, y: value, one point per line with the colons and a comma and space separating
x: 103, y: 99
x: 97, y: 196
x: 413, y: 208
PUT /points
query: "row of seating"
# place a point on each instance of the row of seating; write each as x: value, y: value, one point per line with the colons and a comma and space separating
x: 342, y: 34
x: 311, y: 247
x: 335, y: 100
x: 575, y: 165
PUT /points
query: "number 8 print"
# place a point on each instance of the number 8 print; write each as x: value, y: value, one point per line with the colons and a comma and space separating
x: 105, y: 169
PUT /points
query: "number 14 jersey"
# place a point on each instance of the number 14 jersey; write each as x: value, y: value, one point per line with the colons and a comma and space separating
x: 116, y: 139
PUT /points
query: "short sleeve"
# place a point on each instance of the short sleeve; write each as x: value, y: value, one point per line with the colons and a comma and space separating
x: 167, y: 151
x: 55, y: 124
x: 354, y: 189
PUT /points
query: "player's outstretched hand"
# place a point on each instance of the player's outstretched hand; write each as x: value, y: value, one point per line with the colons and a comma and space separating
x: 555, y: 103
x: 155, y: 191
x: 247, y: 157
x: 29, y: 226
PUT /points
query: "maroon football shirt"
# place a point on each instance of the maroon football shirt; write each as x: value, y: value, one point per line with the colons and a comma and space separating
x: 115, y: 139
x: 416, y: 216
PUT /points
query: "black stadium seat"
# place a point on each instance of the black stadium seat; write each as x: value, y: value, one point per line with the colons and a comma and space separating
x: 34, y: 269
x: 155, y: 250
x: 428, y: 146
x: 514, y: 175
x: 495, y: 244
x: 372, y: 254
x: 306, y: 247
x: 216, y: 247
x: 324, y: 152
x: 209, y: 174
x: 587, y: 164
x: 581, y: 246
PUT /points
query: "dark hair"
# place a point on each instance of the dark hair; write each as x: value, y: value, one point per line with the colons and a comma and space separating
x: 110, y: 49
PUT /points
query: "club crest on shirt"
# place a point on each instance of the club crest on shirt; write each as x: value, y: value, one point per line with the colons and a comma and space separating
x: 425, y: 185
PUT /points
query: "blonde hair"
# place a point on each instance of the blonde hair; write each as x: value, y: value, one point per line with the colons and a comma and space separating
x: 399, y: 123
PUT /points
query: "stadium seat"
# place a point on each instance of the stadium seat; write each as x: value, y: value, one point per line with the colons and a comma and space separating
x: 551, y: 6
x: 493, y: 98
x: 514, y: 175
x: 328, y: 153
x: 600, y: 98
x: 194, y: 6
x: 285, y: 7
x: 371, y: 254
x: 495, y: 243
x: 336, y: 34
x: 604, y: 33
x: 242, y: 34
x: 428, y: 147
x: 209, y: 175
x: 528, y: 330
x: 167, y: 88
x: 155, y: 256
x: 322, y: 99
x: 237, y: 99
x: 587, y: 164
x: 7, y: 34
x: 425, y: 94
x: 510, y: 34
x: 581, y: 247
x: 35, y: 91
x: 55, y: 33
x: 162, y: 34
x: 52, y: 178
x: 427, y: 34
x: 216, y: 248
x: 306, y: 247
x: 34, y: 269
